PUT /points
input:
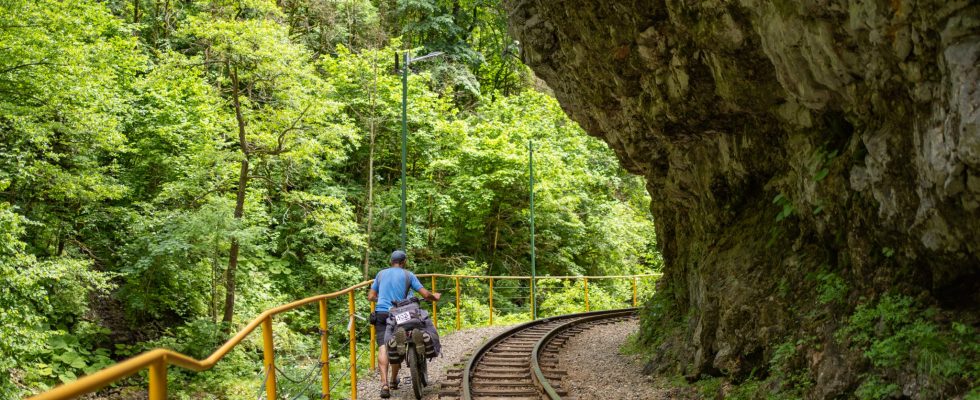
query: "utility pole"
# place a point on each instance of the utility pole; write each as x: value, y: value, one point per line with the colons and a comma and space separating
x: 530, y: 159
x: 405, y: 70
x: 408, y: 59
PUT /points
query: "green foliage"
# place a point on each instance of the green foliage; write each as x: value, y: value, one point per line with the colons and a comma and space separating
x: 785, y: 206
x: 831, y: 288
x: 819, y: 164
x: 888, y: 252
x: 662, y: 317
x: 900, y: 337
x: 785, y: 371
x: 710, y: 388
x: 874, y: 388
x: 44, y: 339
x: 786, y: 210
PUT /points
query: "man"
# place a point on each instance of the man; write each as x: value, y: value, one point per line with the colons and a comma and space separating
x: 390, y: 286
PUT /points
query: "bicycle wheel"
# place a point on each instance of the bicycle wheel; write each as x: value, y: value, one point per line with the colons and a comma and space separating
x: 424, y: 369
x: 414, y: 367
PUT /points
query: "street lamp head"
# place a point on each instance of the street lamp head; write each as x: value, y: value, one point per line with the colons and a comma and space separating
x: 430, y: 55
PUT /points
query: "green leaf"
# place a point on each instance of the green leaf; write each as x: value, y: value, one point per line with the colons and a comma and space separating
x: 67, y: 376
x: 821, y: 175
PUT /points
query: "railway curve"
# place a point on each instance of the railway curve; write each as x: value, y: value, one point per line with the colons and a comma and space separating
x: 522, y: 362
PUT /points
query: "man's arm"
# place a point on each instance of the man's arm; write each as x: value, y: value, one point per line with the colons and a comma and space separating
x: 373, y: 295
x: 430, y: 296
x: 417, y: 286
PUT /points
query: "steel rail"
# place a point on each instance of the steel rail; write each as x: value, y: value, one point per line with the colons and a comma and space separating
x: 471, y: 363
x: 537, y: 374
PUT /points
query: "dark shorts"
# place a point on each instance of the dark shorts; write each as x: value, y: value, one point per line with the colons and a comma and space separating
x: 380, y: 324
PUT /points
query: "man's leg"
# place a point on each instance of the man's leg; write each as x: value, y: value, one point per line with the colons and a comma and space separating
x: 383, y: 363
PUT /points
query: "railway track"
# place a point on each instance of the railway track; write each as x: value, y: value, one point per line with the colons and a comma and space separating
x: 522, y: 362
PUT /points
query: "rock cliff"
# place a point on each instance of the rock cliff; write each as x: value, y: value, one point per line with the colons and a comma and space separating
x: 786, y: 145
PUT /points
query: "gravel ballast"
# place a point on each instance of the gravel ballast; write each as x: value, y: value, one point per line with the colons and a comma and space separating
x: 454, y: 346
x: 597, y: 370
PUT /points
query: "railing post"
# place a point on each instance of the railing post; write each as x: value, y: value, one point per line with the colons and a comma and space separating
x: 491, y: 301
x: 634, y: 291
x: 158, y: 380
x: 353, y: 347
x: 324, y: 352
x: 268, y: 356
x: 534, y: 311
x: 586, y: 280
x: 458, y: 311
x: 435, y: 315
x: 373, y: 338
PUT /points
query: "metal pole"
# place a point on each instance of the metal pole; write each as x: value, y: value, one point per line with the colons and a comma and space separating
x: 353, y: 348
x: 634, y: 291
x: 530, y: 157
x: 457, y: 305
x: 158, y: 380
x: 324, y: 352
x: 404, y: 143
x: 491, y: 301
x: 435, y: 314
x: 268, y: 355
x: 586, y: 280
x: 373, y: 338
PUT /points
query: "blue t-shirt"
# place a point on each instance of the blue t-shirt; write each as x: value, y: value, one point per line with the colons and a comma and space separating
x: 392, y: 286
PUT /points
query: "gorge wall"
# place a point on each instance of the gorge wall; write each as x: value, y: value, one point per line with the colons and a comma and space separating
x: 803, y: 157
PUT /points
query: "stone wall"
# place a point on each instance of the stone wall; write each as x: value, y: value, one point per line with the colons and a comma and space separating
x: 780, y: 139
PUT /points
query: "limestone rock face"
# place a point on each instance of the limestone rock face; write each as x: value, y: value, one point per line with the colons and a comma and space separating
x: 780, y: 138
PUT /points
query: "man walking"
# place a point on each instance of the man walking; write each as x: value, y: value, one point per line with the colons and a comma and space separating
x: 391, y: 285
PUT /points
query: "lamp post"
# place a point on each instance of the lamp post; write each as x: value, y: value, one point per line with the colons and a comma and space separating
x: 530, y: 161
x: 405, y: 70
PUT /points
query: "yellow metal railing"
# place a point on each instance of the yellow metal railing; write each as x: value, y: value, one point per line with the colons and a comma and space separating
x: 157, y: 361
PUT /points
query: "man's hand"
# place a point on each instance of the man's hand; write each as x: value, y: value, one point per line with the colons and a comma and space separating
x: 436, y: 296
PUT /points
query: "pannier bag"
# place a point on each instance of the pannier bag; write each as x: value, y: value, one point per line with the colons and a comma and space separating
x: 430, y: 347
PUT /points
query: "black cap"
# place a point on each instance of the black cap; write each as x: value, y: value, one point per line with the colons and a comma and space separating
x: 398, y: 256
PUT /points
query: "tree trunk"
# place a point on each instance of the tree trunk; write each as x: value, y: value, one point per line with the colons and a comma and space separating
x: 370, y: 206
x: 370, y: 180
x: 239, y: 202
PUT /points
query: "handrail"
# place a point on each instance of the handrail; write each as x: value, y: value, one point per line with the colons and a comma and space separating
x: 157, y: 360
x: 539, y: 277
x: 126, y: 368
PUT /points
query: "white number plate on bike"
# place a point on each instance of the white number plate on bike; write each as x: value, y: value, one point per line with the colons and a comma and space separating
x: 402, y: 318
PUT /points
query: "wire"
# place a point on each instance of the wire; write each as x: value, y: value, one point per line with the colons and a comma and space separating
x: 316, y: 366
x: 347, y: 371
x: 264, y: 382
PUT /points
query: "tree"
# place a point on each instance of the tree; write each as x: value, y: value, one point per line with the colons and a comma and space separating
x: 274, y: 94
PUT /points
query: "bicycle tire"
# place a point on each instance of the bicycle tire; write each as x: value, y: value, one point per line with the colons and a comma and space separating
x: 413, y: 366
x: 424, y: 369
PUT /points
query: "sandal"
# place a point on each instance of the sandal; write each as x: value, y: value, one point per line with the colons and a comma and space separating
x: 385, y: 392
x: 393, y: 383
